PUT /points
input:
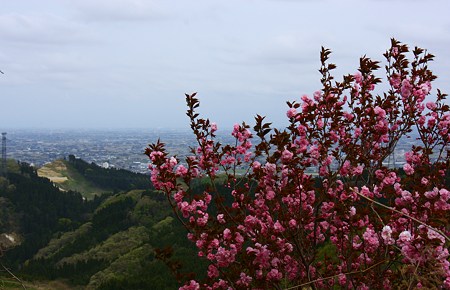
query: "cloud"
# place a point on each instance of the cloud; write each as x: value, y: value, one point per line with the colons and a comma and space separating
x: 117, y: 10
x: 143, y: 55
x: 39, y: 29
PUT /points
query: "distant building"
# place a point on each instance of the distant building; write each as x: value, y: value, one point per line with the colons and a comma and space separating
x: 3, y: 165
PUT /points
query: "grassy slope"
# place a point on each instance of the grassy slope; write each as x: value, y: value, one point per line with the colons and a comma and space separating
x: 63, y: 175
x: 8, y: 283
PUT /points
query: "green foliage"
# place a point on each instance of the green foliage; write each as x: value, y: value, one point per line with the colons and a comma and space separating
x: 146, y: 212
x: 112, y: 248
x: 126, y: 267
x: 163, y: 225
x: 13, y: 166
x: 57, y: 245
x: 8, y: 216
x: 114, y: 217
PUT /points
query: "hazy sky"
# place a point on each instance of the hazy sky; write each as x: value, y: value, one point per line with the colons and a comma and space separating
x: 128, y: 63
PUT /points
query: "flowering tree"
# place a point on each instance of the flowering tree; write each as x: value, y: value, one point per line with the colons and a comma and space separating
x: 359, y: 222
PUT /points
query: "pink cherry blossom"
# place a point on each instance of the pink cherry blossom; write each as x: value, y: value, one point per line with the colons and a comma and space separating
x: 286, y: 156
x: 394, y: 51
x: 291, y: 113
x: 193, y: 285
x: 431, y: 105
x: 408, y: 169
x: 181, y: 170
x: 358, y: 77
x: 220, y: 218
x: 404, y: 236
x: 380, y: 112
x: 213, y: 127
x: 386, y: 234
x: 406, y: 88
x: 395, y: 81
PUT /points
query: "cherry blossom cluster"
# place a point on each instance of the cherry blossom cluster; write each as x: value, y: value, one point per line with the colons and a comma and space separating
x: 264, y: 219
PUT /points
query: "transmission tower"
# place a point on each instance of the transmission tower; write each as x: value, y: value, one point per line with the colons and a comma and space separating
x: 4, y: 168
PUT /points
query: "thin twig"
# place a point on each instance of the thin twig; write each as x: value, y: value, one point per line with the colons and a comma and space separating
x: 412, y: 277
x: 335, y: 276
x: 382, y: 222
x: 404, y: 214
x: 14, y: 276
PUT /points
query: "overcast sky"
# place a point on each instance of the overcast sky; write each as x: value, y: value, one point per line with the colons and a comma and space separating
x: 128, y: 63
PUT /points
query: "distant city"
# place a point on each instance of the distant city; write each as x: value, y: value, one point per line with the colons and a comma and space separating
x: 108, y: 148
x: 122, y: 149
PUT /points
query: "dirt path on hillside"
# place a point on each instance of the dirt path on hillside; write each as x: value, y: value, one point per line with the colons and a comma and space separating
x: 53, y: 172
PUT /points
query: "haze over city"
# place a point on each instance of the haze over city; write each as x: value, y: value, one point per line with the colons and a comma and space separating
x: 128, y: 63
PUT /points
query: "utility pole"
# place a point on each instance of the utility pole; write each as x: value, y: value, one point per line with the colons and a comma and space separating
x: 4, y: 169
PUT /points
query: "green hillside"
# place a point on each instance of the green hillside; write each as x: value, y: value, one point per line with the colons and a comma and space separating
x: 117, y: 246
x: 90, y: 179
x: 63, y: 175
x: 113, y: 241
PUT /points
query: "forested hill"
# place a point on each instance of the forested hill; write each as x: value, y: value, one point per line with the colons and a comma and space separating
x: 90, y: 179
x: 125, y: 239
x: 33, y: 209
